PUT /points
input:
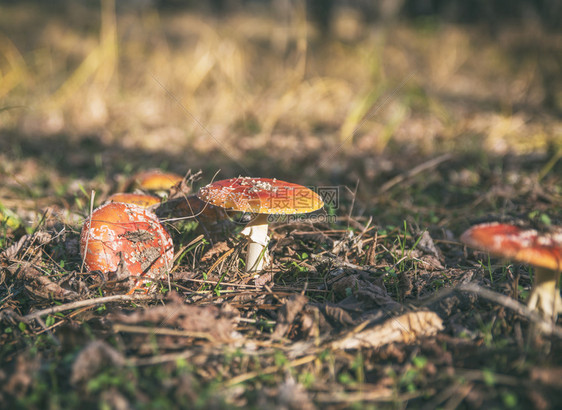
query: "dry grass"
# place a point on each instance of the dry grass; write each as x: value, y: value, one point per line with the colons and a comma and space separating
x: 422, y: 126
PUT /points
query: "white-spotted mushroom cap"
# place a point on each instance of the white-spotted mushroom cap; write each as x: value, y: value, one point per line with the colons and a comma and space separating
x: 261, y: 196
x: 116, y: 230
x: 522, y: 245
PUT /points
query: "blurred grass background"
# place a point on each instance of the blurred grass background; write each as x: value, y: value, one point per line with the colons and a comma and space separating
x: 92, y: 91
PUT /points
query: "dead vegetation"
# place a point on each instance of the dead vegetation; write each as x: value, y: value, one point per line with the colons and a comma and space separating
x: 419, y: 130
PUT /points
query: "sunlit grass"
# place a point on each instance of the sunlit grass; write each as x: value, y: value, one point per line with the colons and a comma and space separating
x: 153, y: 81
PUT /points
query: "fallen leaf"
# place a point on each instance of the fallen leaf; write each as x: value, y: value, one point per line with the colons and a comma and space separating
x: 365, y: 290
x: 219, y: 323
x: 95, y: 357
x: 427, y: 245
x: 338, y: 314
x: 403, y: 329
x: 26, y: 241
x: 39, y: 284
x: 287, y: 314
x: 549, y: 376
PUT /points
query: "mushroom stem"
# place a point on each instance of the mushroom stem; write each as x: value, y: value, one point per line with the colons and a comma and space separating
x: 545, y: 296
x: 256, y: 231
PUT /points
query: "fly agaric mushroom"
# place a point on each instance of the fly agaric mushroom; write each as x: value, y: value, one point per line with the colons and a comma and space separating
x: 119, y: 231
x: 153, y: 180
x: 142, y: 200
x: 543, y: 251
x: 262, y: 197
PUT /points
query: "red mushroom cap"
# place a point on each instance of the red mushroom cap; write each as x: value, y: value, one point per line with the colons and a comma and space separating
x: 261, y: 196
x: 116, y: 229
x: 512, y: 242
x: 143, y: 200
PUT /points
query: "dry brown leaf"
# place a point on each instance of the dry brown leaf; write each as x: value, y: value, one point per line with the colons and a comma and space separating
x: 293, y: 395
x: 219, y: 323
x: 37, y: 239
x: 114, y: 399
x: 316, y: 236
x: 217, y: 249
x: 427, y: 245
x: 263, y: 279
x: 372, y: 291
x: 405, y: 329
x: 40, y: 285
x: 95, y: 357
x: 549, y: 376
x: 18, y: 382
x: 338, y: 314
x: 287, y: 314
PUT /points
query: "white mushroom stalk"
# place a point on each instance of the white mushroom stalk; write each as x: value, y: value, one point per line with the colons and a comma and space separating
x: 545, y: 296
x: 257, y: 255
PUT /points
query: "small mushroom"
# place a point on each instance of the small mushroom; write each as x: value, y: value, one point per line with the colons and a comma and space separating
x: 143, y: 200
x: 261, y: 197
x: 543, y: 251
x: 154, y: 180
x: 118, y: 232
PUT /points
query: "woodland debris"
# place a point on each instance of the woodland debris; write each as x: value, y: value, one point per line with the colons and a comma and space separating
x: 88, y: 302
x: 24, y: 243
x: 401, y: 329
x: 218, y: 323
x: 39, y: 284
x: 288, y: 313
x: 370, y: 291
x: 95, y: 357
x: 17, y: 378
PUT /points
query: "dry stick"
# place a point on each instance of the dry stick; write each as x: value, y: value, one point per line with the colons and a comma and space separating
x: 414, y: 171
x: 49, y: 333
x: 254, y: 287
x: 368, y: 395
x: 163, y: 358
x: 268, y: 370
x: 544, y: 325
x: 161, y: 331
x: 87, y: 302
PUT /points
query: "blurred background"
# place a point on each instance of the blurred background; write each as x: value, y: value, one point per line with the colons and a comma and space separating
x: 328, y: 92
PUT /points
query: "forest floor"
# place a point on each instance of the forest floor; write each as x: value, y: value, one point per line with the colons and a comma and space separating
x: 414, y: 131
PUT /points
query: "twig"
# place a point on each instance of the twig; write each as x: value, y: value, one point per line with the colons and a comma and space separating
x: 370, y: 394
x: 163, y: 358
x: 161, y: 331
x: 544, y: 325
x: 268, y: 370
x: 87, y: 302
x: 432, y: 163
x: 49, y: 333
